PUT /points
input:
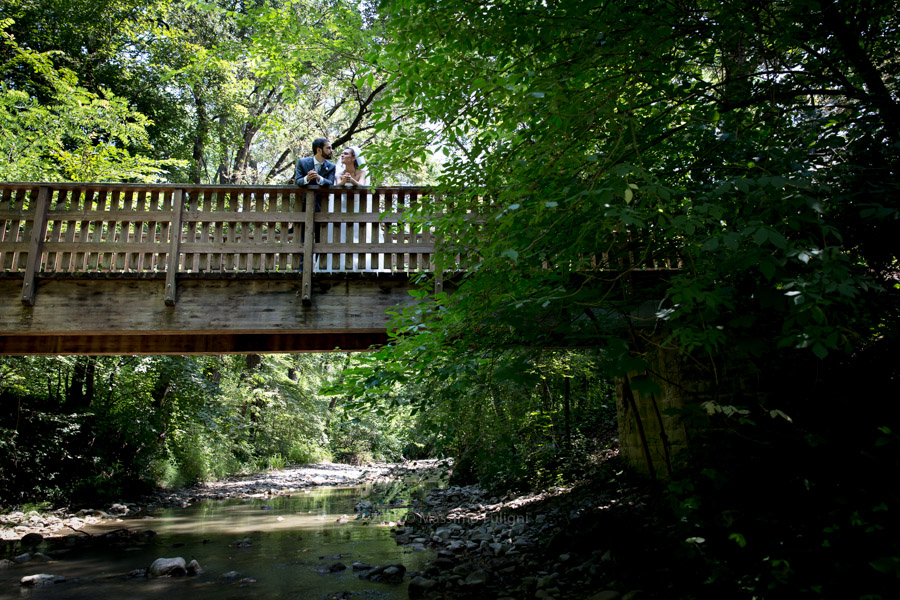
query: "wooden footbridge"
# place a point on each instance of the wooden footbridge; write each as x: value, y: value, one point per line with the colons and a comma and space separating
x: 174, y: 269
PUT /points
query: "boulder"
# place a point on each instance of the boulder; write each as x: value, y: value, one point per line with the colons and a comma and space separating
x: 244, y: 543
x: 30, y: 540
x: 193, y: 568
x: 119, y: 510
x: 332, y: 568
x: 167, y: 567
x: 477, y: 577
x: 392, y: 573
x: 419, y: 586
x: 41, y: 579
x: 606, y: 595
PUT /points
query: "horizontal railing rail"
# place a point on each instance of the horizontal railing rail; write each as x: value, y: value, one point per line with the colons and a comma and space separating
x: 74, y: 228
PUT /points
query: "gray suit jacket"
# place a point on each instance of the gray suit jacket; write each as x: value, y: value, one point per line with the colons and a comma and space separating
x: 305, y: 164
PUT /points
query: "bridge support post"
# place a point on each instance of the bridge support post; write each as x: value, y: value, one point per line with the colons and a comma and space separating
x: 174, y: 248
x: 652, y: 432
x: 36, y: 244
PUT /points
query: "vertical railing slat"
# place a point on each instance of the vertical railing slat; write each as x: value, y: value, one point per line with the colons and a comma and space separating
x: 231, y: 234
x: 144, y: 234
x: 284, y: 207
x: 326, y: 205
x: 164, y: 225
x: 298, y: 225
x: 20, y: 230
x: 203, y: 227
x: 271, y: 252
x: 218, y: 233
x: 6, y: 229
x: 56, y: 232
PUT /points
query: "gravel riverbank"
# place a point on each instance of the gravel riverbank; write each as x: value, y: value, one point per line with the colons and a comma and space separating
x: 63, y: 521
x: 514, y: 547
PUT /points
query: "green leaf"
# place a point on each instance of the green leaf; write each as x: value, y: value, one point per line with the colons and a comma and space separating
x: 695, y: 540
x: 710, y: 245
x: 760, y: 236
x: 887, y: 564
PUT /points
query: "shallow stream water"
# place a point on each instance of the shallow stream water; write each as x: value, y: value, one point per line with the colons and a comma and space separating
x: 293, y: 539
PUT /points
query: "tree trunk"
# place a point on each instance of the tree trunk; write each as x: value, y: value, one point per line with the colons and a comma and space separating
x: 199, y: 138
x: 567, y: 412
x: 253, y: 361
x: 80, y: 392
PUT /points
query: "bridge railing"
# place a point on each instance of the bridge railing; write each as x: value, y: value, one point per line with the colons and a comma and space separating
x: 72, y: 228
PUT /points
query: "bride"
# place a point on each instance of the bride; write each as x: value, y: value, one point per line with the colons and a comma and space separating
x: 351, y: 169
x: 350, y: 172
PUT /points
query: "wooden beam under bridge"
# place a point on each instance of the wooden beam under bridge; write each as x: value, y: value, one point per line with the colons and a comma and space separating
x: 98, y: 314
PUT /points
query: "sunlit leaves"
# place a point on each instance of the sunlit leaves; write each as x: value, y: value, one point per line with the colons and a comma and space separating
x: 75, y: 135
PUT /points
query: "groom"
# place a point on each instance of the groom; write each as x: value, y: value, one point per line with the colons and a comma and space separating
x: 316, y: 169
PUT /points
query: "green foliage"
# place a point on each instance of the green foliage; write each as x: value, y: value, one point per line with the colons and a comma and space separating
x: 70, y: 133
x: 221, y: 93
x: 92, y: 428
x: 656, y: 124
x: 719, y: 179
x: 503, y: 417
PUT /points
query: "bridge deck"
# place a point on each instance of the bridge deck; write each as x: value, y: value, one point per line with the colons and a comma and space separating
x: 165, y: 269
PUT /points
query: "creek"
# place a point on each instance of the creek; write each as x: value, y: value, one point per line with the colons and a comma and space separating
x: 293, y: 540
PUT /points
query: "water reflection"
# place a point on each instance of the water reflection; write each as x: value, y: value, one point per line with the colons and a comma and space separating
x: 290, y: 539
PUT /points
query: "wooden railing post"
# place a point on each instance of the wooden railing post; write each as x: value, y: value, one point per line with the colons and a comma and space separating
x: 308, y: 235
x: 35, y: 244
x: 174, y: 248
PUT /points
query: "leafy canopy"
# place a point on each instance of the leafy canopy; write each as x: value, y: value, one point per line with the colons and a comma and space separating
x: 749, y: 146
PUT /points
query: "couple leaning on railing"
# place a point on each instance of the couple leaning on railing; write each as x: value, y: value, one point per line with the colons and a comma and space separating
x: 319, y: 170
